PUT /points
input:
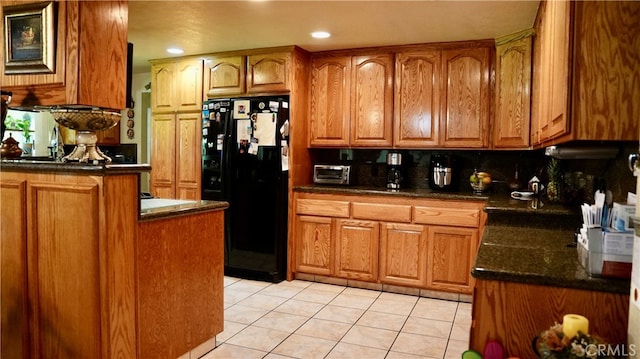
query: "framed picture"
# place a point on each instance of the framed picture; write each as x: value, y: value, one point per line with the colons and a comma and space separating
x: 29, y: 38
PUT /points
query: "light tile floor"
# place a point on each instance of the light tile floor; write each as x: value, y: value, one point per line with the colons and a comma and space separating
x: 308, y: 320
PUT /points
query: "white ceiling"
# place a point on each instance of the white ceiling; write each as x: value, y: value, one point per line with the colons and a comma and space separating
x: 201, y: 27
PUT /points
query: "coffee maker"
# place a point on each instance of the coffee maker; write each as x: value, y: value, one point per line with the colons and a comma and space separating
x: 441, y: 172
x: 394, y: 171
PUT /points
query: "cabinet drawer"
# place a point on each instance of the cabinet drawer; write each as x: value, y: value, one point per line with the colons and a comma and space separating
x: 382, y: 212
x: 446, y: 216
x: 320, y: 207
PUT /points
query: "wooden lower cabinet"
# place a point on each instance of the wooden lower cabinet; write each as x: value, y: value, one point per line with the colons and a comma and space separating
x: 403, y: 254
x: 357, y: 249
x: 314, y: 246
x: 451, y: 254
x: 347, y: 238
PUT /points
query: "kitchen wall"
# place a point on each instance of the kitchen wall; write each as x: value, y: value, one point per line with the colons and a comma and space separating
x: 141, y: 114
x: 370, y: 167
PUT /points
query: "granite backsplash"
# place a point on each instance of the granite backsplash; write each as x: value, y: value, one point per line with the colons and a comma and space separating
x: 370, y: 168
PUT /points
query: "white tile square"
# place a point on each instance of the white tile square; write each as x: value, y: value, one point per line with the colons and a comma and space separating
x: 327, y: 287
x: 392, y: 306
x: 233, y: 296
x: 227, y: 351
x: 301, y: 346
x: 430, y: 327
x: 324, y: 329
x: 243, y: 314
x: 420, y: 345
x: 281, y: 321
x: 353, y: 351
x: 262, y: 301
x: 353, y: 301
x: 435, y: 309
x: 230, y: 329
x: 339, y: 314
x: 299, y: 307
x: 382, y: 320
x: 362, y: 292
x: 263, y: 339
x: 370, y: 337
x: 317, y: 296
x: 251, y: 286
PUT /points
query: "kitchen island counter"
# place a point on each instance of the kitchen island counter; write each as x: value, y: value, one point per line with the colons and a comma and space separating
x: 88, y: 273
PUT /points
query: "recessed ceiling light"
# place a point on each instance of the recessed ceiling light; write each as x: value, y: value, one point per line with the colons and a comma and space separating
x: 175, y: 50
x: 320, y: 34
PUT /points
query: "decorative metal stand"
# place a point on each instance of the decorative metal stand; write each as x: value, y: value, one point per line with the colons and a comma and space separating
x: 85, y: 122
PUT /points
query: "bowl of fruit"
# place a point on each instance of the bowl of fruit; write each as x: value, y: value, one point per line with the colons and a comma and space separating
x: 480, y: 181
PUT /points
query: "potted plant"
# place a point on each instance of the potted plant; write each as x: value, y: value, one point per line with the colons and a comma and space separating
x: 22, y: 124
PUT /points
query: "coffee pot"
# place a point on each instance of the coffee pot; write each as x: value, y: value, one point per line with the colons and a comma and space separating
x: 394, y: 171
x: 441, y: 172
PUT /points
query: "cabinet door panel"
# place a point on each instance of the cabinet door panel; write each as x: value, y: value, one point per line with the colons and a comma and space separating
x: 465, y: 105
x: 417, y: 99
x: 163, y: 92
x: 224, y: 76
x: 13, y: 277
x: 330, y: 89
x: 513, y: 96
x: 372, y: 100
x: 188, y: 164
x: 313, y: 245
x: 189, y: 85
x: 357, y: 250
x: 60, y: 323
x: 403, y: 254
x: 451, y: 254
x: 163, y: 159
x: 268, y: 72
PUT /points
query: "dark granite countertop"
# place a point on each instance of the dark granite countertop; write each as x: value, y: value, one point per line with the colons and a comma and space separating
x: 537, y: 256
x: 181, y: 209
x: 408, y: 192
x: 26, y: 165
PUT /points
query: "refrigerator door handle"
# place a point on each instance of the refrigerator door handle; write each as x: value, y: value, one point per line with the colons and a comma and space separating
x: 633, y: 164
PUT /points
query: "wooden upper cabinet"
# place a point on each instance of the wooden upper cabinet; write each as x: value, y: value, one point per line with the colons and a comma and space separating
x: 606, y: 85
x: 512, y: 92
x: 550, y: 96
x: 224, y: 76
x: 372, y: 100
x: 269, y: 72
x: 330, y: 99
x: 85, y: 72
x: 465, y: 97
x: 569, y: 54
x: 417, y: 99
x: 176, y: 86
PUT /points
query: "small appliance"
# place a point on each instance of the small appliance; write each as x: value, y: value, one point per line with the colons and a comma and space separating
x: 332, y: 174
x: 394, y: 171
x: 441, y: 176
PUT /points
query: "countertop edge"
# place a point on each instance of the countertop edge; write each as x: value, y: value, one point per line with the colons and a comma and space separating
x: 72, y: 167
x: 181, y: 210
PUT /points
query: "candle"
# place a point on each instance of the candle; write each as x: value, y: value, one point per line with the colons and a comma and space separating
x: 574, y: 323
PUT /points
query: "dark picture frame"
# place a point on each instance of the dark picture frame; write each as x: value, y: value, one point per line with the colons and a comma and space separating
x: 29, y: 38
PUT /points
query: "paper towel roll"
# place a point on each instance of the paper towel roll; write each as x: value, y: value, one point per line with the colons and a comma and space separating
x: 574, y: 323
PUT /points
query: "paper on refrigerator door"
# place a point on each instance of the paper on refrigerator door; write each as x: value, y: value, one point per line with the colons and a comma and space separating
x: 265, y: 129
x: 285, y: 155
x: 244, y: 130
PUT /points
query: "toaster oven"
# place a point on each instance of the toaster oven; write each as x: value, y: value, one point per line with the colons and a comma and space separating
x: 332, y: 174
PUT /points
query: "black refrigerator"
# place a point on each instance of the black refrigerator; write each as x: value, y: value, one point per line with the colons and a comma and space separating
x: 245, y: 162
